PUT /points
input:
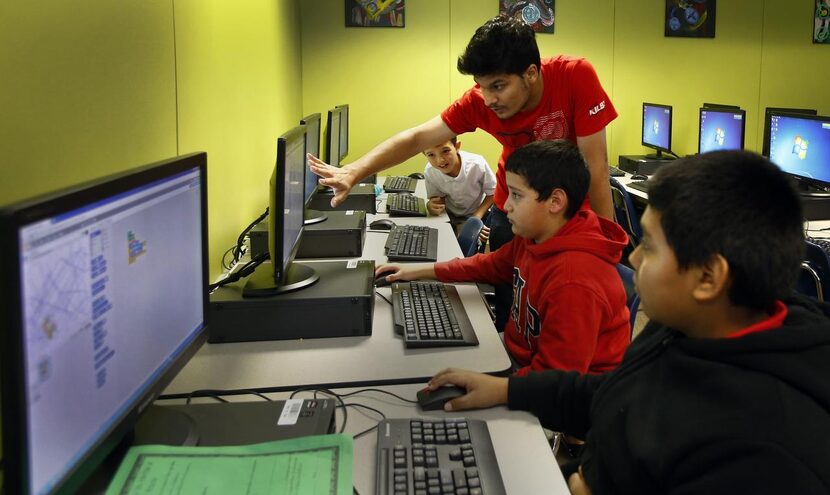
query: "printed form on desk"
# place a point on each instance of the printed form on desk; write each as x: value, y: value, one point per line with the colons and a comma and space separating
x: 307, y: 465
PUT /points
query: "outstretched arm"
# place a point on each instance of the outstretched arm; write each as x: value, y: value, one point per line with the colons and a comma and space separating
x: 393, y: 151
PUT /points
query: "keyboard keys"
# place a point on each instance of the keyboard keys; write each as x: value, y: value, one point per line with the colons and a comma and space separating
x: 430, y: 314
x: 412, y: 243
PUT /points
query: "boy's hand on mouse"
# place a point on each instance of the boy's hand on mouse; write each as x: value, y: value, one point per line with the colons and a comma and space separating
x: 482, y: 390
x: 484, y: 235
x: 577, y: 485
x: 436, y: 206
x: 394, y: 273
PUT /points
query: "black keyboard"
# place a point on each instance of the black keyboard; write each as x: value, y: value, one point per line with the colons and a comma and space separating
x: 405, y: 205
x: 399, y: 184
x: 824, y: 244
x: 412, y: 243
x: 430, y: 314
x: 425, y: 456
x: 615, y: 172
x: 640, y: 185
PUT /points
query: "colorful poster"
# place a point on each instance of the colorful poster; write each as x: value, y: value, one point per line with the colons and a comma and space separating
x: 821, y: 29
x: 539, y: 14
x: 375, y: 13
x: 690, y: 18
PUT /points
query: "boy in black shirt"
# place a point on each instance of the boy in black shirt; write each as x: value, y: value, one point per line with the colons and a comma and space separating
x: 727, y: 389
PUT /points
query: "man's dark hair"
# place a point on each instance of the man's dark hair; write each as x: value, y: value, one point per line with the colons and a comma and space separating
x: 741, y: 206
x: 549, y: 165
x: 503, y: 45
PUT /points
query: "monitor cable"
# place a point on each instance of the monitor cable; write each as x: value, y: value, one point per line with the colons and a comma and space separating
x: 247, y: 269
x: 240, y: 241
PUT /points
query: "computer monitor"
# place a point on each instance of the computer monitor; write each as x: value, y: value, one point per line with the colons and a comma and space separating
x: 104, y: 301
x: 720, y: 105
x: 285, y: 222
x: 344, y: 130
x: 721, y: 128
x: 800, y: 146
x: 781, y: 111
x: 333, y: 137
x: 312, y: 146
x: 657, y: 129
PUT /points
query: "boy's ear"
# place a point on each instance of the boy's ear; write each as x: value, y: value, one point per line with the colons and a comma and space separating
x: 713, y: 279
x: 531, y: 73
x: 557, y: 202
x: 457, y: 145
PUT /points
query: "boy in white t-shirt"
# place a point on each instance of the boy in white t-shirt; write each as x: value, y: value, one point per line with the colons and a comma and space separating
x: 459, y: 182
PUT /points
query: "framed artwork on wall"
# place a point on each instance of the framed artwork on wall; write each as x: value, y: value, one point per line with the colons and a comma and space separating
x: 375, y: 13
x: 821, y: 27
x: 690, y: 18
x: 539, y: 14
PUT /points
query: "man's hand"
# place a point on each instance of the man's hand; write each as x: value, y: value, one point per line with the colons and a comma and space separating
x: 436, y: 206
x: 340, y: 180
x: 482, y: 390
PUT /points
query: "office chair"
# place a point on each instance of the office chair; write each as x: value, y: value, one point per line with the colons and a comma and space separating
x: 814, y: 277
x: 632, y: 299
x: 468, y: 236
x: 627, y: 217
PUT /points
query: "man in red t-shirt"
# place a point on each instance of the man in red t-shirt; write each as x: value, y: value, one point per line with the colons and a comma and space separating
x: 518, y: 98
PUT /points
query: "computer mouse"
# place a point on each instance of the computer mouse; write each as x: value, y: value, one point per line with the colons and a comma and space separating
x: 639, y: 177
x: 382, y: 224
x: 380, y: 280
x: 432, y: 400
x: 416, y: 175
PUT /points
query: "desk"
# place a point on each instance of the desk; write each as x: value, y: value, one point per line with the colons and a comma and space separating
x: 378, y: 359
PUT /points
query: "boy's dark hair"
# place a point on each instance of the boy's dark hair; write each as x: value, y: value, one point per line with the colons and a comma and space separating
x: 503, y: 45
x: 741, y: 206
x: 549, y: 165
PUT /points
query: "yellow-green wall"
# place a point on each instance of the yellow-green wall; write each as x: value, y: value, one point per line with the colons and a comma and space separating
x: 762, y: 55
x: 92, y: 88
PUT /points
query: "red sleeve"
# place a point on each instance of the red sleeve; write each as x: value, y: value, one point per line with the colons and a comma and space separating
x: 570, y: 328
x: 592, y: 108
x: 494, y: 268
x: 461, y: 116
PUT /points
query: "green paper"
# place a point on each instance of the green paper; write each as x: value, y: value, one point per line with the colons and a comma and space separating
x: 307, y: 465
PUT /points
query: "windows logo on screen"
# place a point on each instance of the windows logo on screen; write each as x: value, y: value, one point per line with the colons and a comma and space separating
x: 800, y: 147
x: 720, y: 135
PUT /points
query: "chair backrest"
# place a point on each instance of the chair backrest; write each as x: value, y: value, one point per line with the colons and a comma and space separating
x: 468, y: 236
x: 632, y: 300
x: 814, y: 278
x: 625, y: 213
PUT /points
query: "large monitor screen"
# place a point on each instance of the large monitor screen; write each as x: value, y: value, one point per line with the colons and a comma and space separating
x: 344, y: 130
x: 112, y: 295
x: 721, y: 129
x: 780, y: 111
x: 292, y: 149
x: 312, y: 146
x: 800, y: 145
x: 657, y: 126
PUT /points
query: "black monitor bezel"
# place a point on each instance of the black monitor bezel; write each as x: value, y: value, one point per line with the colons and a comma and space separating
x: 344, y: 130
x: 314, y: 117
x: 806, y: 182
x: 332, y: 159
x: 715, y: 106
x: 768, y: 111
x: 12, y: 388
x: 277, y: 198
x: 721, y: 109
x: 643, y: 127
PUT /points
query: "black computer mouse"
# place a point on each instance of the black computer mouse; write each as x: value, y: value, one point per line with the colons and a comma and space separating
x: 639, y: 177
x: 432, y: 400
x: 382, y: 224
x: 380, y: 280
x: 416, y: 175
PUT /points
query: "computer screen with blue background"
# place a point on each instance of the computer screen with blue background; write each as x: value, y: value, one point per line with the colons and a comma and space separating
x: 721, y: 129
x: 800, y: 145
x: 657, y: 126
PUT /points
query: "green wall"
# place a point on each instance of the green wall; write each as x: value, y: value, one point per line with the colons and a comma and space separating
x: 395, y: 78
x: 93, y: 88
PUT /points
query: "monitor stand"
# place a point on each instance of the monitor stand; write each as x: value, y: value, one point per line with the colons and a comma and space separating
x: 658, y: 156
x: 314, y: 216
x: 261, y: 282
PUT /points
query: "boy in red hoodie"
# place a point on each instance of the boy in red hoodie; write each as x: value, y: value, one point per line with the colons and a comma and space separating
x: 569, y: 309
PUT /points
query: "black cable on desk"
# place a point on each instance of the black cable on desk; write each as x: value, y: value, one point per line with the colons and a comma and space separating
x: 247, y: 269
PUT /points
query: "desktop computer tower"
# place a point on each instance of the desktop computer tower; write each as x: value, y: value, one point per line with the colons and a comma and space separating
x: 372, y: 179
x: 340, y: 304
x: 341, y: 235
x: 816, y: 206
x: 639, y: 164
x: 362, y: 197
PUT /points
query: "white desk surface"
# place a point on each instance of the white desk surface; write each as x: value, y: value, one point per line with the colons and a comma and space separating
x: 525, y: 460
x: 379, y: 358
x: 625, y: 180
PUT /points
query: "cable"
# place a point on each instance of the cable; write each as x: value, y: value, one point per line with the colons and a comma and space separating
x: 240, y: 241
x: 227, y: 266
x: 216, y: 393
x: 247, y: 269
x: 380, y: 391
x: 383, y: 297
x: 325, y: 391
